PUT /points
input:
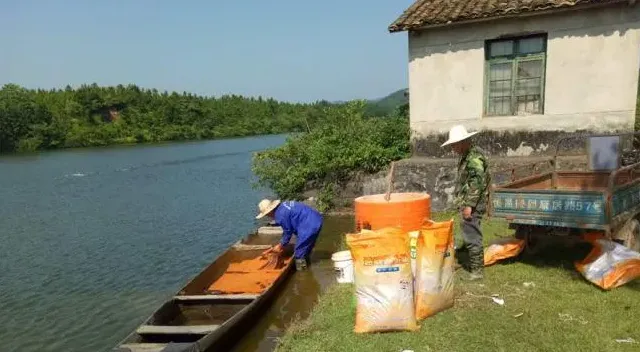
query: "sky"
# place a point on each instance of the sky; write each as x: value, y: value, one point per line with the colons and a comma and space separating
x: 293, y: 50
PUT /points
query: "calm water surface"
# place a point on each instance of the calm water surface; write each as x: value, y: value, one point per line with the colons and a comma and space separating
x: 94, y: 240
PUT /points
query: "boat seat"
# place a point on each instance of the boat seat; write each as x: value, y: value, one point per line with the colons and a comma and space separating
x: 248, y: 297
x: 176, y: 329
x: 153, y: 347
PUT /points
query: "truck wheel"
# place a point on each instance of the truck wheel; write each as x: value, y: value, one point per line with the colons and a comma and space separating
x: 531, y: 242
x: 629, y: 235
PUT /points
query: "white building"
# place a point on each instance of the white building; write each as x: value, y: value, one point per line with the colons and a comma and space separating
x: 532, y: 68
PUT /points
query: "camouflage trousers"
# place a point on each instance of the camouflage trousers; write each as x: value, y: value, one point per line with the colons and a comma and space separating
x: 472, y: 241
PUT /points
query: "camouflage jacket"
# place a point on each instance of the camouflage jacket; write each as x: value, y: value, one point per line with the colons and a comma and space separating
x: 473, y: 181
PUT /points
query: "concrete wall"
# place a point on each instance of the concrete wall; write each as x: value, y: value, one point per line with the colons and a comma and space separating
x: 593, y: 58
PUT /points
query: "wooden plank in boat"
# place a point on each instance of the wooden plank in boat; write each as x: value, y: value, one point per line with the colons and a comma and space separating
x: 154, y: 347
x: 216, y: 297
x: 270, y: 230
x: 176, y: 329
x: 144, y: 347
x: 249, y: 247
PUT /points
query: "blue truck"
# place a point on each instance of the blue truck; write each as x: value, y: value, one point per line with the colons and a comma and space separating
x: 603, y: 198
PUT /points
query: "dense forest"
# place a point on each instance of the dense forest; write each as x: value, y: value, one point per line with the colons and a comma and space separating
x: 95, y: 116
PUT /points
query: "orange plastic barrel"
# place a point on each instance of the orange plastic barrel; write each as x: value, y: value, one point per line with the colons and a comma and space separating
x: 405, y: 210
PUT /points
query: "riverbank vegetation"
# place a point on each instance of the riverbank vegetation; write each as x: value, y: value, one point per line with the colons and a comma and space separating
x: 343, y: 142
x: 548, y: 306
x: 97, y: 116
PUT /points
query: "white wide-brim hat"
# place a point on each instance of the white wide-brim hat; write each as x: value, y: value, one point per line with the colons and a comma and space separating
x: 266, y: 206
x: 457, y: 134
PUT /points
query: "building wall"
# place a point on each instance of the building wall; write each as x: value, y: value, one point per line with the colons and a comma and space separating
x: 593, y: 58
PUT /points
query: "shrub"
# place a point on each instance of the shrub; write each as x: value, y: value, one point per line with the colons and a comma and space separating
x: 29, y: 144
x: 343, y: 142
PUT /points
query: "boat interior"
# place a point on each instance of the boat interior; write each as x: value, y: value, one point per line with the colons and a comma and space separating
x: 197, y: 310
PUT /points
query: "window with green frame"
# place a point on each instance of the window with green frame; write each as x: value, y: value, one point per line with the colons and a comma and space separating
x: 514, y: 76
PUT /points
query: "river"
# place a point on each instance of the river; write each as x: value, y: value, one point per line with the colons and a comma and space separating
x: 94, y: 240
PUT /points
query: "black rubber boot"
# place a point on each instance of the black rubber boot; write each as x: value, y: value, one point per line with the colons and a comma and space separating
x: 476, y: 264
x: 302, y: 264
x: 474, y: 275
x: 461, y: 257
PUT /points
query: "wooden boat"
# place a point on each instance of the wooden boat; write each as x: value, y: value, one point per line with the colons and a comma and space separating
x: 198, y: 319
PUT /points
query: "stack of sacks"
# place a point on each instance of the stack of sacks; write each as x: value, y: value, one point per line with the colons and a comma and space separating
x: 392, y: 295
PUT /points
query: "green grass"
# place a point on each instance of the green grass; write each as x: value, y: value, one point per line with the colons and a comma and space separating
x: 556, y: 310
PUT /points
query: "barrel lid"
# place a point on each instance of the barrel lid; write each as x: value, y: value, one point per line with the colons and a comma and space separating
x: 393, y: 198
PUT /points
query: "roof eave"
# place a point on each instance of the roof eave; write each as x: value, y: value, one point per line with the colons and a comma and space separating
x: 403, y: 28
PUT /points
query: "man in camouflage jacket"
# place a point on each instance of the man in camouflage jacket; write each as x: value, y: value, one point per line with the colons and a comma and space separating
x: 471, y: 193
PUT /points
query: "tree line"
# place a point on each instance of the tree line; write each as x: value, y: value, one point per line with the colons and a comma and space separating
x: 339, y: 139
x: 90, y: 115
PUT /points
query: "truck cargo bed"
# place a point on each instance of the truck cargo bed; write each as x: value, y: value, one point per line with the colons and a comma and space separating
x: 585, y: 200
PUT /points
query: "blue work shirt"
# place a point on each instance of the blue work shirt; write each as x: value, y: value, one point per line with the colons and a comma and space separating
x: 298, y: 218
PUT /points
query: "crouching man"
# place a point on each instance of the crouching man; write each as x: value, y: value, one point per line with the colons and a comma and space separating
x: 294, y: 218
x: 471, y: 194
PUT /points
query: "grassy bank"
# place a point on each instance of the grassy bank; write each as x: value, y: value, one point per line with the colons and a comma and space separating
x: 548, y: 307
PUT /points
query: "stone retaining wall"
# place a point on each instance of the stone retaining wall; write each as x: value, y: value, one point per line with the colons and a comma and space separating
x: 437, y: 176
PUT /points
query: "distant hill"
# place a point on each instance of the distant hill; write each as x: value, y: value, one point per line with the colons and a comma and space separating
x: 385, y: 106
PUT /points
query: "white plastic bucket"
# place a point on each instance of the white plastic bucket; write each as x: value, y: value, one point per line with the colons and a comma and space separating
x: 343, y: 266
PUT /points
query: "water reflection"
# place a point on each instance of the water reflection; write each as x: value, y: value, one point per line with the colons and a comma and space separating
x: 86, y: 257
x: 300, y: 293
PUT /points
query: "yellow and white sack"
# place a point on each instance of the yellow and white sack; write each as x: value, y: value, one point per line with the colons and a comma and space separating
x: 383, y: 281
x: 435, y: 264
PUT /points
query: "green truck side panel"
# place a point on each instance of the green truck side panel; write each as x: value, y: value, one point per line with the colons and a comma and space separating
x: 563, y: 208
x: 626, y: 198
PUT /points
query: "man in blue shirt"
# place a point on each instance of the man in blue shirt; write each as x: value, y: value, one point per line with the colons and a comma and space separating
x: 294, y: 217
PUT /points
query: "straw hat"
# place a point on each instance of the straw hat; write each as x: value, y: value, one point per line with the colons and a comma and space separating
x: 266, y: 206
x: 457, y: 134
